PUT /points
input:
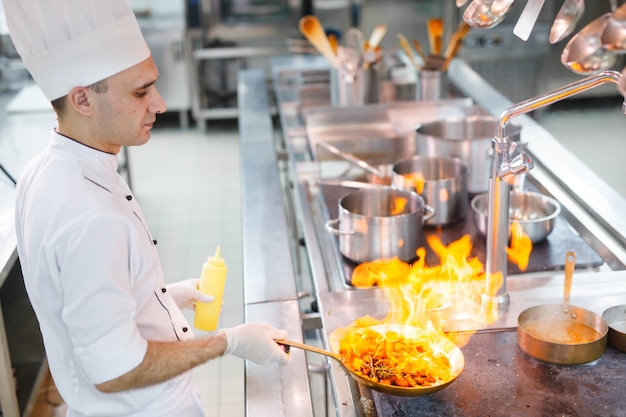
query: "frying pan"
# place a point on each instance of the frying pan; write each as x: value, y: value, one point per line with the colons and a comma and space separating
x: 560, y: 333
x: 452, y: 351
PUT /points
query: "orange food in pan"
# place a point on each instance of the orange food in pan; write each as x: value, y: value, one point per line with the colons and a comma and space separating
x: 394, y: 359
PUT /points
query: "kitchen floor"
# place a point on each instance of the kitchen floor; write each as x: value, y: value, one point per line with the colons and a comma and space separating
x: 188, y: 184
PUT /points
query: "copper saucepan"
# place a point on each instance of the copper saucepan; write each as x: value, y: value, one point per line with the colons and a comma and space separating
x: 561, y: 333
x: 452, y: 351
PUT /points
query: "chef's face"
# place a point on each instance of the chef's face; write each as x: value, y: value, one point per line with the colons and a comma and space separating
x: 127, y: 110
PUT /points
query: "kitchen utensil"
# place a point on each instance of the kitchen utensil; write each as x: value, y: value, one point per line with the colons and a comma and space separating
x: 312, y: 29
x: 404, y: 44
x: 377, y: 35
x: 615, y: 318
x: 355, y: 39
x: 456, y: 41
x: 467, y: 138
x: 419, y: 49
x: 536, y: 213
x: 380, y: 223
x: 527, y: 19
x: 353, y: 160
x: 334, y: 43
x: 479, y: 14
x: 561, y: 333
x: 584, y: 54
x: 570, y: 264
x: 566, y: 19
x: 441, y: 181
x: 452, y: 351
x: 348, y: 62
x: 501, y: 6
x: 613, y: 36
x: 435, y: 35
x: 359, y: 185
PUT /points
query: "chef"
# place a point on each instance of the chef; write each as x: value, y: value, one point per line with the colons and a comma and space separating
x: 116, y: 341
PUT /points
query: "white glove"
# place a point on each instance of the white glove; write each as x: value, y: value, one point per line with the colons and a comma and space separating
x: 256, y: 342
x: 186, y: 293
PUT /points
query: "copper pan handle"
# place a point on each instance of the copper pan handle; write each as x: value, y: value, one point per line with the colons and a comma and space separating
x: 570, y: 264
x: 310, y: 348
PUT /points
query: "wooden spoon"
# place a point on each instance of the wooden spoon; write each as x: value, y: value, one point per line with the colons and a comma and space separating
x: 404, y: 44
x: 435, y: 35
x: 377, y: 35
x: 418, y: 48
x: 312, y: 29
x: 334, y: 43
x: 455, y: 43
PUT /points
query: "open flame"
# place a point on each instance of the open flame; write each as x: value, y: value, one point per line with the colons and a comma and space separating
x: 415, y: 180
x: 443, y: 301
x: 520, y: 247
x: 398, y: 204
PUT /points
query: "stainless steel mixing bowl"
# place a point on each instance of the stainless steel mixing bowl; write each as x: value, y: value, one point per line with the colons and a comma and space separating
x: 535, y: 212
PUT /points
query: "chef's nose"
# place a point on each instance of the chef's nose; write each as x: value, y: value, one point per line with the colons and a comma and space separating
x: 157, y: 104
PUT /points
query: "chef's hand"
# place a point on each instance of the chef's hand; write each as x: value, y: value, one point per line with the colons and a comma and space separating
x: 256, y: 342
x: 186, y: 293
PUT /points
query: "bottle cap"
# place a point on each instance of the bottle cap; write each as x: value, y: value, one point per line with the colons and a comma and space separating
x: 216, y: 260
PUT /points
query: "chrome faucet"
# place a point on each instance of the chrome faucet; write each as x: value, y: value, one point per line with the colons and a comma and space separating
x: 510, y: 160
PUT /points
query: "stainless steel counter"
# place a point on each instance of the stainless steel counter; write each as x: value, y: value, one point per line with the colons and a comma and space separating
x: 591, y: 209
x: 270, y: 293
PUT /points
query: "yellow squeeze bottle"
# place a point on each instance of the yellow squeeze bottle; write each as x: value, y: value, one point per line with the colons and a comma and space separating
x: 212, y: 282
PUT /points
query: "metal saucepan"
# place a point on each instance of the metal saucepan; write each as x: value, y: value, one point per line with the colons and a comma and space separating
x: 451, y: 351
x: 615, y: 318
x: 560, y: 333
x: 441, y: 181
x: 467, y: 138
x: 380, y: 223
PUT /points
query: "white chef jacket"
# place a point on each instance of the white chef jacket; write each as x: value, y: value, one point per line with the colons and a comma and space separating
x: 94, y: 279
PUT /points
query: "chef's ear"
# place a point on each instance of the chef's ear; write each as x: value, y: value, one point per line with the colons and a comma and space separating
x: 79, y: 99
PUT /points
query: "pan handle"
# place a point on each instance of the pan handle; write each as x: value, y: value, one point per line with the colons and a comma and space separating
x: 430, y: 213
x: 289, y: 343
x: 334, y: 231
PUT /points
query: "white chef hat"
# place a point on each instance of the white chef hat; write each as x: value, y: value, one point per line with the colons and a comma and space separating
x: 69, y: 43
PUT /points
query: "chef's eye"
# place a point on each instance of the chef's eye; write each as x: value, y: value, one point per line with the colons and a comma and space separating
x: 141, y: 93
